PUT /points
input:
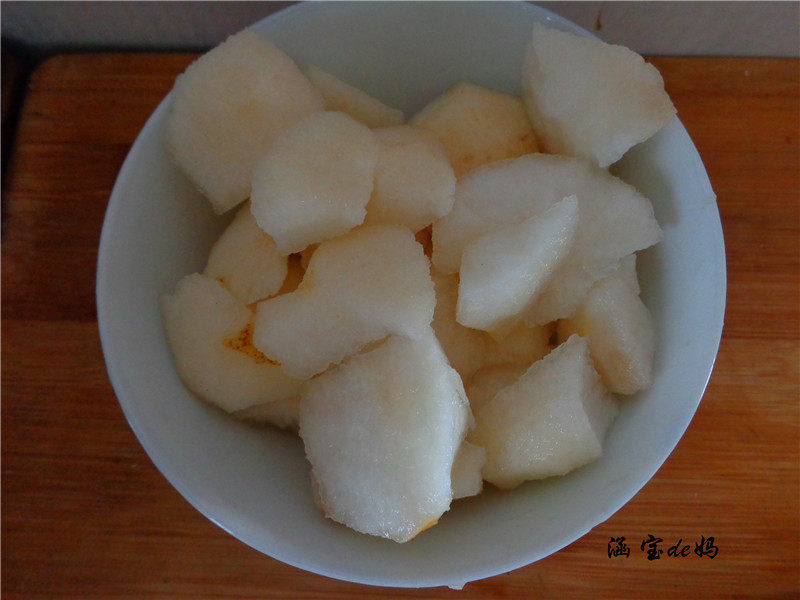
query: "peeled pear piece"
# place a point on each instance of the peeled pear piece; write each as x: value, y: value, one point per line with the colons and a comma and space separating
x: 487, y: 381
x: 519, y: 343
x: 414, y: 182
x: 467, y: 349
x: 615, y: 219
x: 226, y: 110
x: 619, y: 330
x: 342, y: 97
x: 566, y: 290
x: 470, y: 349
x: 551, y: 421
x: 209, y: 331
x: 591, y: 99
x: 466, y: 473
x: 315, y: 181
x: 503, y: 271
x: 477, y: 126
x: 358, y: 288
x: 245, y: 260
x: 569, y: 285
x: 381, y: 432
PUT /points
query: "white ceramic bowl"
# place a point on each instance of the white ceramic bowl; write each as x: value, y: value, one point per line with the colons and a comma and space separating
x: 254, y: 482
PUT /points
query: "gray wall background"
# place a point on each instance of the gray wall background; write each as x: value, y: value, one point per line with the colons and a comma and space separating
x: 655, y: 28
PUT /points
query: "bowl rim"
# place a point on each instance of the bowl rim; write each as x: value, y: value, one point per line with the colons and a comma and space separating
x: 115, y: 364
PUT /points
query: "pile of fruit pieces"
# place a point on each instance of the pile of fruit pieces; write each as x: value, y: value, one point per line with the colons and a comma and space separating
x: 378, y: 269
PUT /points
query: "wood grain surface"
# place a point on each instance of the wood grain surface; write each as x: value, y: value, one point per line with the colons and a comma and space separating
x: 85, y: 514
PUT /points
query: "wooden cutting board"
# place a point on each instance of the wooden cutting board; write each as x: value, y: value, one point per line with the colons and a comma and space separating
x: 85, y: 514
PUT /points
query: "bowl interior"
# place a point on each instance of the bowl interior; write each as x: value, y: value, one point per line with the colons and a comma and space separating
x: 254, y: 482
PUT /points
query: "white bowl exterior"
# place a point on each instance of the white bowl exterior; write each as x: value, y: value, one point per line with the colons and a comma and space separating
x: 254, y: 482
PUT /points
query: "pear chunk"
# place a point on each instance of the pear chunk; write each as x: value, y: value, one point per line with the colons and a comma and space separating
x: 470, y: 349
x: 477, y: 126
x: 245, y: 260
x: 591, y: 99
x: 466, y: 474
x: 357, y: 289
x: 615, y: 219
x: 381, y: 432
x: 226, y: 110
x: 343, y: 97
x: 315, y: 181
x: 467, y: 349
x: 619, y: 330
x: 551, y: 421
x: 487, y: 382
x: 569, y: 285
x: 209, y: 331
x: 414, y: 182
x: 503, y: 271
x: 518, y: 343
